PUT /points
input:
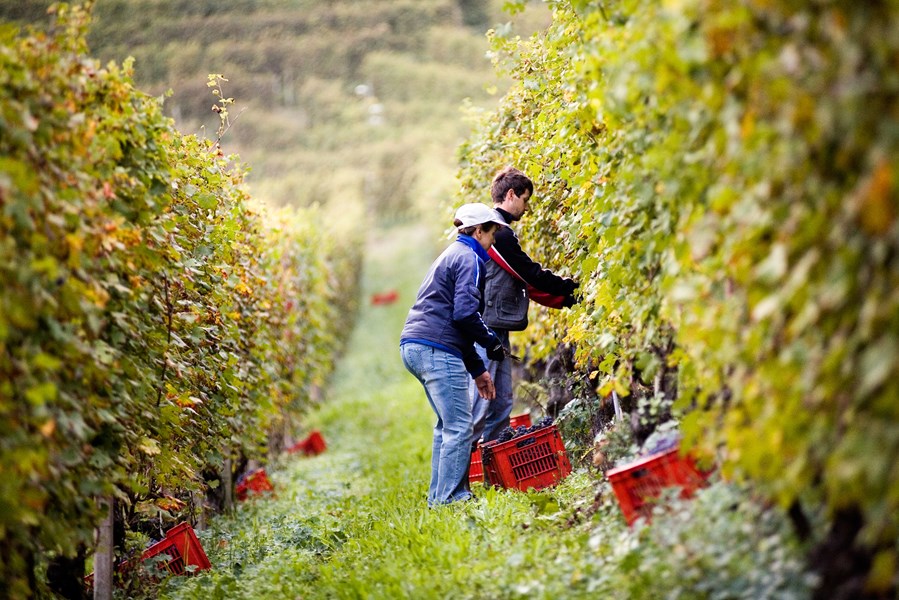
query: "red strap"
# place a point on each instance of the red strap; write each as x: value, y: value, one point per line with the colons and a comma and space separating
x: 538, y: 296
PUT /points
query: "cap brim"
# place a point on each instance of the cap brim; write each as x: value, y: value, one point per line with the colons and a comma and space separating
x: 455, y: 230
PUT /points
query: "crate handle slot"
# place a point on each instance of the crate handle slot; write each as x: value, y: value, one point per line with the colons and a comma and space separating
x: 640, y: 473
x: 527, y: 442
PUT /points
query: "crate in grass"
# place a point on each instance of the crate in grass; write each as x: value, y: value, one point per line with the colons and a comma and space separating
x: 638, y: 484
x: 476, y: 468
x: 534, y: 460
x: 253, y: 482
x: 315, y: 443
x: 522, y: 420
x: 176, y: 553
x: 312, y: 445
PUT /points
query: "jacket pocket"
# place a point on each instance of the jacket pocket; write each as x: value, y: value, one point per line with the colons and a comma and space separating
x: 509, y: 312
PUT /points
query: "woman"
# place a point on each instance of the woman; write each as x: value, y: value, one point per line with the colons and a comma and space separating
x: 437, y: 346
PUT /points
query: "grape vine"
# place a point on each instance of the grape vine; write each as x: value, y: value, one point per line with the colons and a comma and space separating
x: 152, y: 322
x: 720, y: 177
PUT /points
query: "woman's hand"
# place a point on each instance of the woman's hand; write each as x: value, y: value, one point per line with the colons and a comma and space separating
x: 485, y: 386
x: 497, y: 352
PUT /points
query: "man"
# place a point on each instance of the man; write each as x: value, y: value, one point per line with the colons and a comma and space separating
x: 512, y: 279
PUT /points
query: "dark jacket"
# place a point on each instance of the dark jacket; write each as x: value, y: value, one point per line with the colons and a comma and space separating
x: 447, y: 311
x: 513, y: 279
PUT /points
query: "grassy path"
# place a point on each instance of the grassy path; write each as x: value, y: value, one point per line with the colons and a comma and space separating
x: 353, y: 522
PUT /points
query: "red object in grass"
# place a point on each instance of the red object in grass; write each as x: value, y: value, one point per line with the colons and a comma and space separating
x: 179, y: 550
x: 255, y: 481
x: 313, y: 444
x: 383, y: 298
x: 534, y: 460
x: 638, y: 484
x: 476, y: 467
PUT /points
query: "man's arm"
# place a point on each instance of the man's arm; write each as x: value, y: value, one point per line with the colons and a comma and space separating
x: 544, y: 286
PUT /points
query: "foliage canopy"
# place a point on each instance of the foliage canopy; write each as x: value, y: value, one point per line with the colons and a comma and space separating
x: 720, y: 177
x: 152, y: 322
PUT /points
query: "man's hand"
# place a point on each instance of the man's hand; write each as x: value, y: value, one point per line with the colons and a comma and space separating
x: 485, y: 386
x: 571, y: 300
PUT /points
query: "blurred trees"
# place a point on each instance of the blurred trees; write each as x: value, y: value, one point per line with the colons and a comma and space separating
x: 294, y: 66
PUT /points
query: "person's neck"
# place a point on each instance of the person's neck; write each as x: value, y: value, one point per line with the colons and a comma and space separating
x: 474, y: 245
x: 508, y: 216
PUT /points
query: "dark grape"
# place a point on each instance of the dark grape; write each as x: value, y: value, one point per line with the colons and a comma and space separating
x: 511, y: 433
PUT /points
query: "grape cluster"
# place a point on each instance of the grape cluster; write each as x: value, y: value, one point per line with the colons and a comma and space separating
x: 510, y: 433
x: 661, y: 442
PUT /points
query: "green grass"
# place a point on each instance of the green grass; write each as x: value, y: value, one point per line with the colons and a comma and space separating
x: 353, y: 522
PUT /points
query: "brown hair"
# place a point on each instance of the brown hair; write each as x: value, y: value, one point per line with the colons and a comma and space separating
x: 485, y: 227
x: 509, y: 178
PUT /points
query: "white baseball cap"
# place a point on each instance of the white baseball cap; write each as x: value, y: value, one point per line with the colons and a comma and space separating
x: 476, y: 213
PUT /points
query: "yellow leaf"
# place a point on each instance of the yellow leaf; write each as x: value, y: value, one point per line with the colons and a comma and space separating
x: 75, y: 243
x: 148, y: 446
x: 605, y: 389
x: 97, y: 295
x: 876, y: 202
x: 619, y: 387
x: 48, y: 428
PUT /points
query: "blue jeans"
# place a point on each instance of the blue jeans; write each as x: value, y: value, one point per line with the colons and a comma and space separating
x: 446, y: 385
x: 492, y: 416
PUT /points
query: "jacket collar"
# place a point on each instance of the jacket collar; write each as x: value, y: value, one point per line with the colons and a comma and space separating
x: 474, y: 245
x: 505, y: 215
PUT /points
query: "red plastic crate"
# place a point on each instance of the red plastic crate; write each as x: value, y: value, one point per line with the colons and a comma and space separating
x: 522, y: 420
x: 177, y: 551
x: 255, y: 481
x: 388, y: 297
x: 535, y: 460
x: 182, y: 548
x: 313, y: 444
x: 638, y: 484
x: 476, y: 468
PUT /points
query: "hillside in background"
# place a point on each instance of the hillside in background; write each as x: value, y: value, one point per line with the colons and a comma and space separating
x: 334, y: 101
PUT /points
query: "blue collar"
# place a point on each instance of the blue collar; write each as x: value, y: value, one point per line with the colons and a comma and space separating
x: 474, y: 245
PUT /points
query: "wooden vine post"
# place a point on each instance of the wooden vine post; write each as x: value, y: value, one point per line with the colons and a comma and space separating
x: 103, y: 559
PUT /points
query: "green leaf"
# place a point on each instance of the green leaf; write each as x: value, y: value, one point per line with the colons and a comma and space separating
x: 46, y: 362
x: 41, y: 394
x: 878, y: 363
x: 206, y: 200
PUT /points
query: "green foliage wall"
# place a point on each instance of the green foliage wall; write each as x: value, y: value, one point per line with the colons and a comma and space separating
x: 152, y: 322
x: 721, y: 179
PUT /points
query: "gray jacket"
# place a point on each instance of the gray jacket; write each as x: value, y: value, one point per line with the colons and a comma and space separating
x: 507, y: 300
x: 513, y: 279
